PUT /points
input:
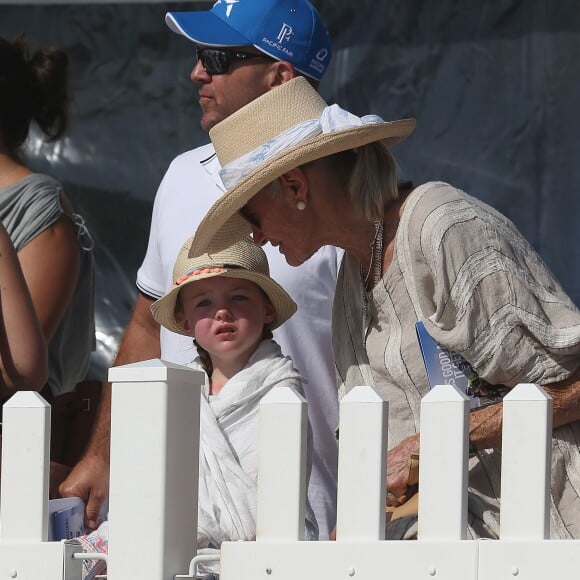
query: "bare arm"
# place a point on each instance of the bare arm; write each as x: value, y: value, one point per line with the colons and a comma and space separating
x: 89, y: 479
x: 485, y: 428
x: 485, y: 424
x: 51, y: 263
x: 23, y: 354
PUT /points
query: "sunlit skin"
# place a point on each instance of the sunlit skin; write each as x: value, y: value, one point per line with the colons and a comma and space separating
x: 226, y: 316
x: 277, y: 222
x: 221, y: 95
x: 328, y: 217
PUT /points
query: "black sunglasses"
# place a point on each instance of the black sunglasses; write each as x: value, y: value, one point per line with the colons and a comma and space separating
x: 217, y: 61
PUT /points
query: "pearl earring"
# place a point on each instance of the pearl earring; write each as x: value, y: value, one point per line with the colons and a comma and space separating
x: 301, y: 205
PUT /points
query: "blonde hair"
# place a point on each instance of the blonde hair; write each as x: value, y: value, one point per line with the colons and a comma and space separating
x: 370, y: 173
x: 373, y: 181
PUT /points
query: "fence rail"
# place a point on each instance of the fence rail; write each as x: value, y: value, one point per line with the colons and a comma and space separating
x: 153, y: 491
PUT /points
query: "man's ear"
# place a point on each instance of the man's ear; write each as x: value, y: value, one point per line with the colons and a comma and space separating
x: 284, y: 71
x: 294, y: 186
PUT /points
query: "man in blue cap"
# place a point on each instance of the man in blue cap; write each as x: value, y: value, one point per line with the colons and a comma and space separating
x: 244, y: 48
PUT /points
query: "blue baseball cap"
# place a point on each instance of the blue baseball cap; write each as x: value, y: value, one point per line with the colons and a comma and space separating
x: 290, y: 30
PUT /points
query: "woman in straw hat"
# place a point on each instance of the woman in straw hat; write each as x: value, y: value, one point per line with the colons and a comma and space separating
x: 228, y: 304
x: 301, y: 174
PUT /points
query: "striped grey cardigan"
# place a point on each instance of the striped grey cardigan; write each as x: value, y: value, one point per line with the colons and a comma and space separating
x: 483, y: 292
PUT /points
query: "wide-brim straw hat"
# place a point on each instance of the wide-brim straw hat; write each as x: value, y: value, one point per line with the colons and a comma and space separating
x: 256, y: 137
x: 241, y: 260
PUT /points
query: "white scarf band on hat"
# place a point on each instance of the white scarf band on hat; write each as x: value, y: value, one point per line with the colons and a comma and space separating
x: 332, y: 119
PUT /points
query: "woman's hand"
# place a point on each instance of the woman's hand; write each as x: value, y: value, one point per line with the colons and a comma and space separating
x: 398, y: 464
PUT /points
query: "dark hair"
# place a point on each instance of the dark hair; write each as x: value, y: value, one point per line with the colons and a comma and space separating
x: 32, y: 88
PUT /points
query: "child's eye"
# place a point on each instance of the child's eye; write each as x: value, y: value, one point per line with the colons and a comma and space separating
x: 203, y: 303
x: 238, y: 297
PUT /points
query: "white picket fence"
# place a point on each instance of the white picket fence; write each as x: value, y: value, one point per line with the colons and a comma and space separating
x: 153, y: 493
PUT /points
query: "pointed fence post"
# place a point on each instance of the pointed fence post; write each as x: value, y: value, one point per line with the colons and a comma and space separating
x: 154, y: 470
x: 443, y: 464
x: 526, y: 463
x: 25, y: 468
x: 281, y: 499
x: 362, y: 466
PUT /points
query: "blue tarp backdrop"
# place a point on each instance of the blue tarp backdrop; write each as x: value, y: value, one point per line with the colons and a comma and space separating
x: 494, y: 86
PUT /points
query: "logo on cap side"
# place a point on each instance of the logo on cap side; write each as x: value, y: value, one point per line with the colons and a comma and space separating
x: 285, y: 33
x: 322, y: 54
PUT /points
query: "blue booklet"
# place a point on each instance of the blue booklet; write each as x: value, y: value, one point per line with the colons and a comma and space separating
x: 66, y: 518
x: 445, y: 367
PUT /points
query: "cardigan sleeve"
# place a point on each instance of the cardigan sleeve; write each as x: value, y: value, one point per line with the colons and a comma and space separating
x: 488, y: 295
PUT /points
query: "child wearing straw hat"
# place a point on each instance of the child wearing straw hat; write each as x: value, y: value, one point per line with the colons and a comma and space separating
x: 228, y: 304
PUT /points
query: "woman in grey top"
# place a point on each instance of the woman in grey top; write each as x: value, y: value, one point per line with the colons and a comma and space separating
x: 301, y: 174
x: 53, y: 245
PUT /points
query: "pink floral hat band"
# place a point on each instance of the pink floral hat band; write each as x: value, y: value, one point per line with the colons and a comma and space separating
x: 197, y: 272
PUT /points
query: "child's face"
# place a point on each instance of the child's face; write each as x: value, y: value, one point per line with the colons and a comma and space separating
x: 225, y: 315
